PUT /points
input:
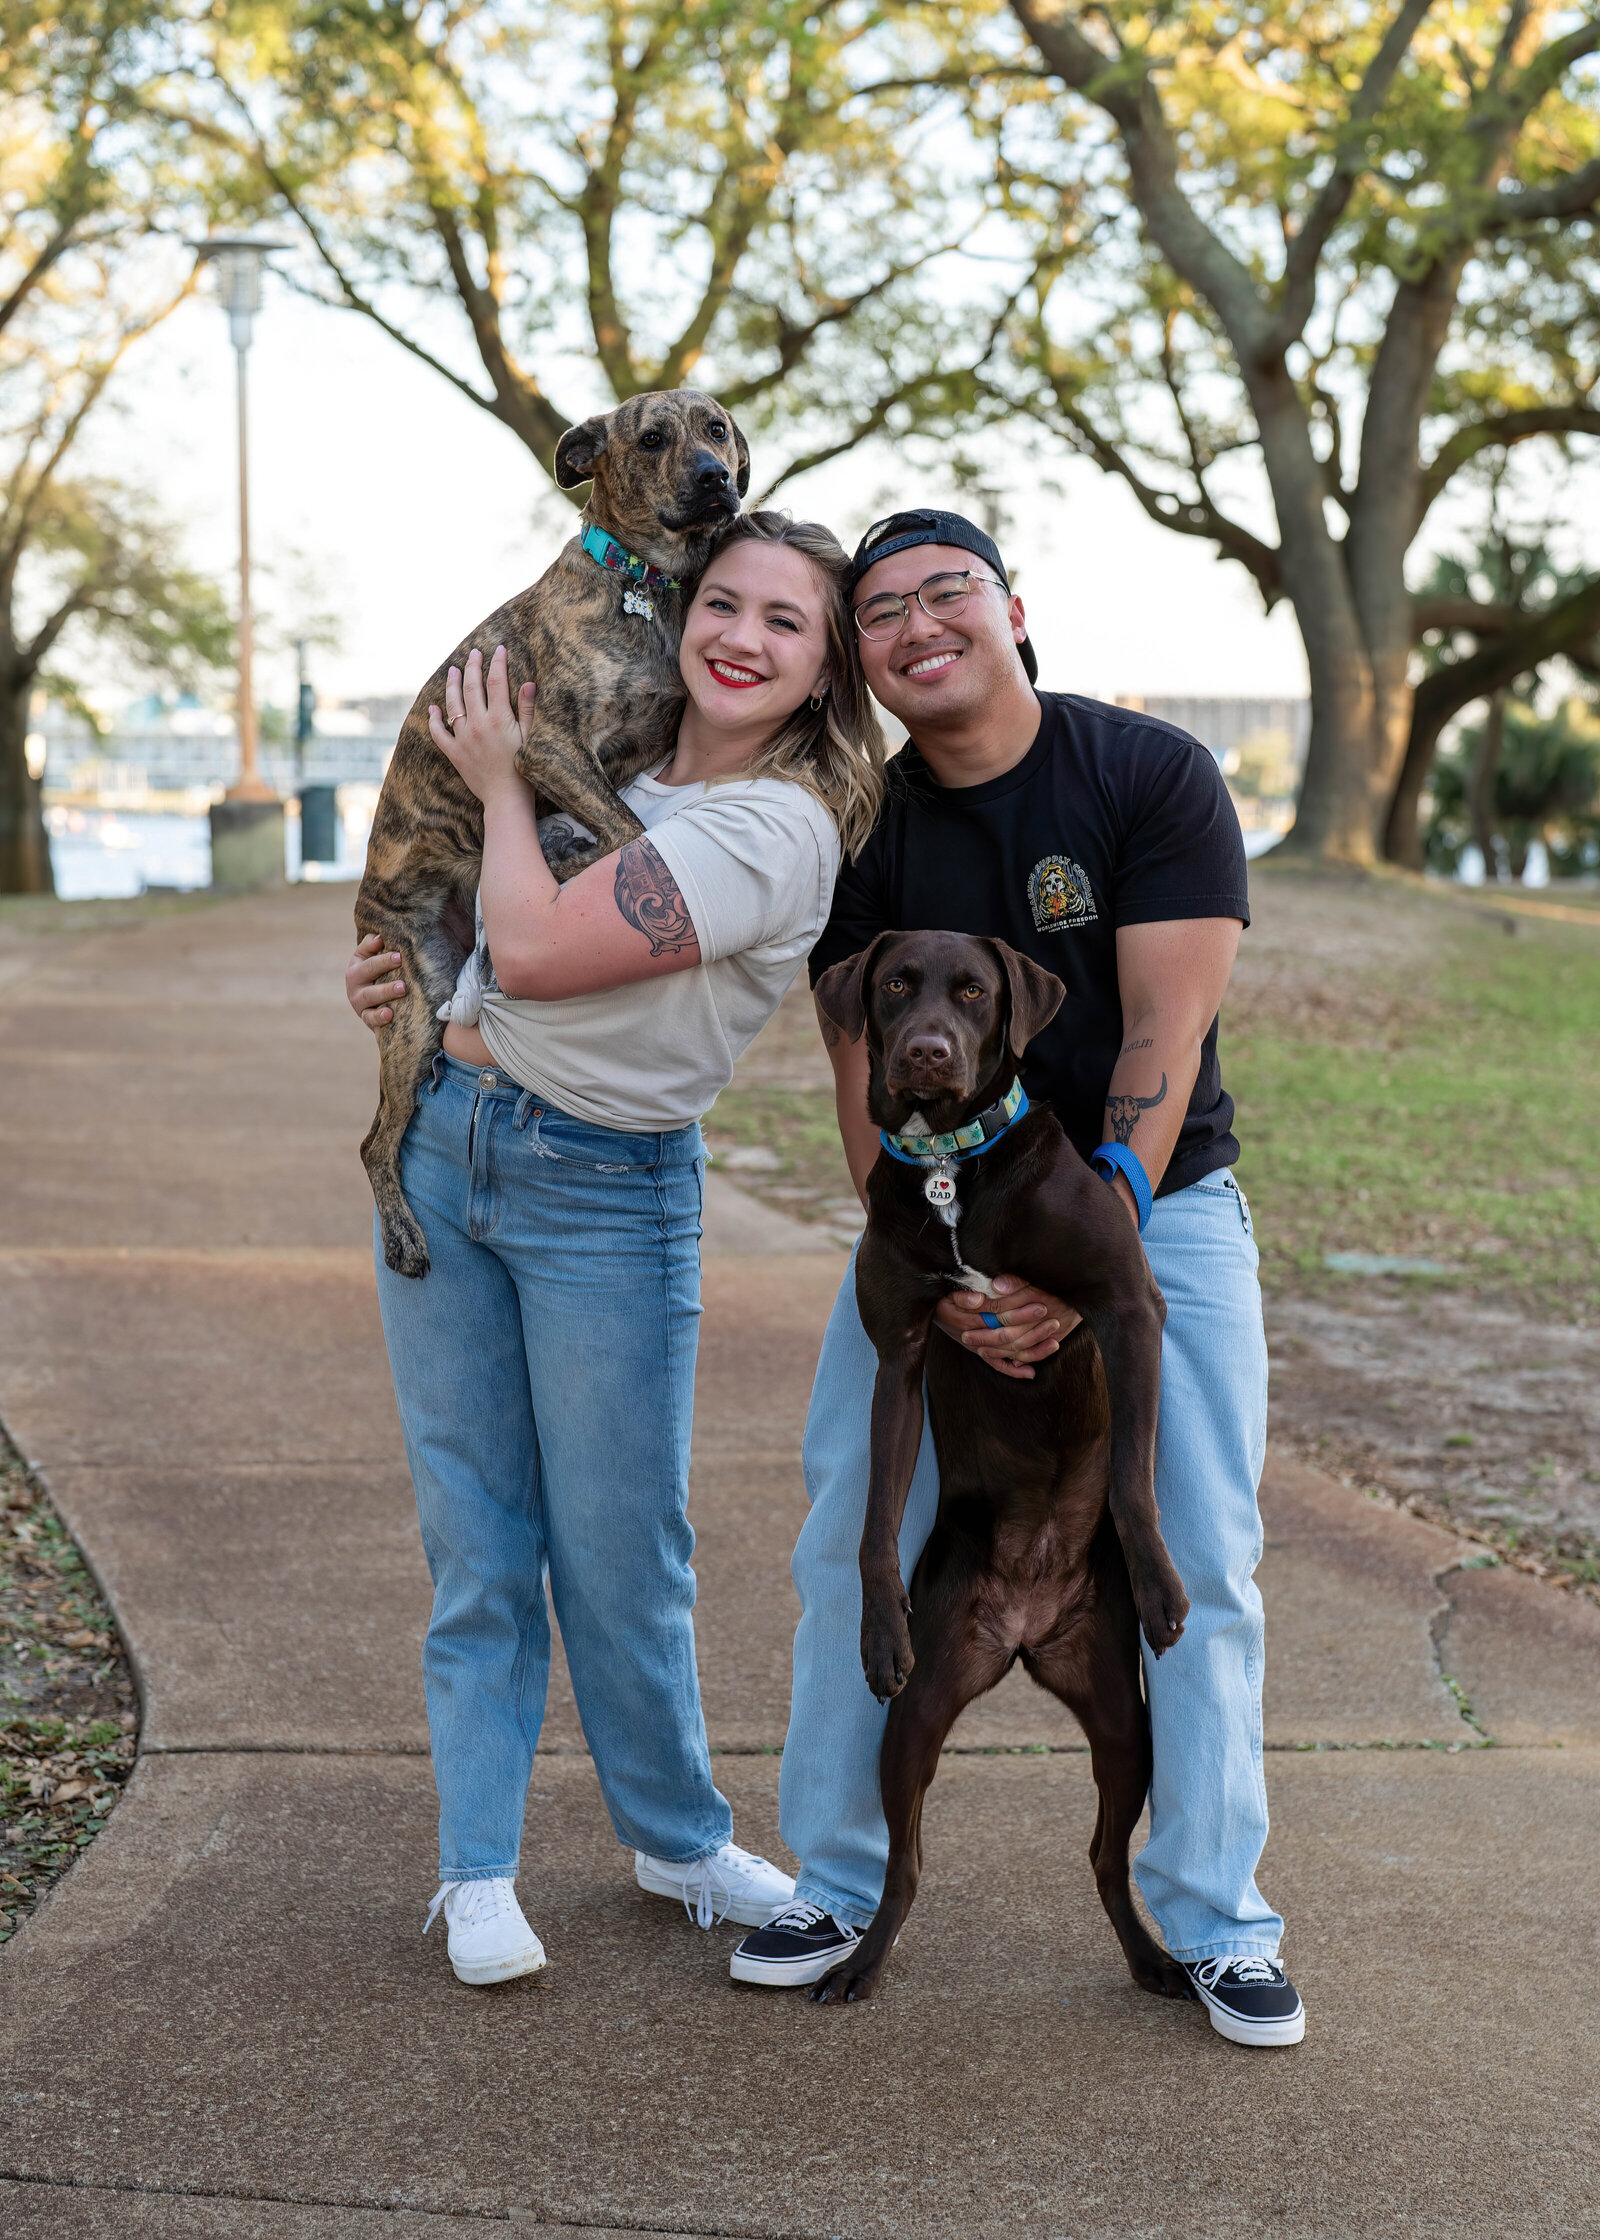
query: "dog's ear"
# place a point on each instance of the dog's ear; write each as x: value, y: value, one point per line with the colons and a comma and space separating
x: 741, y: 480
x: 578, y: 450
x: 1036, y: 995
x: 841, y: 994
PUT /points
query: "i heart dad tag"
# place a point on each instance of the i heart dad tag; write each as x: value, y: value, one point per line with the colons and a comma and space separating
x: 940, y: 1188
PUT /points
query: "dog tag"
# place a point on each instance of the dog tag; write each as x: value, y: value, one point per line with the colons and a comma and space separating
x: 635, y: 601
x: 940, y: 1188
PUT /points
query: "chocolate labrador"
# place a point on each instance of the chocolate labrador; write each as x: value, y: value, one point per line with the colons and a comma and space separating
x: 1047, y: 1545
x: 599, y: 632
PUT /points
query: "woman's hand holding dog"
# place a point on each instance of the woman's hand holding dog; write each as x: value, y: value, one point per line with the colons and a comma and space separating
x: 478, y: 731
x: 368, y: 989
x: 1032, y: 1324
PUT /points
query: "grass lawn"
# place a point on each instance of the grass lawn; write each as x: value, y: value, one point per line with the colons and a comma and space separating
x: 1430, y: 1089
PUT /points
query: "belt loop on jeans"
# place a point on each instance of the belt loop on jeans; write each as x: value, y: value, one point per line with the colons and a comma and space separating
x: 526, y: 1110
x: 436, y: 1072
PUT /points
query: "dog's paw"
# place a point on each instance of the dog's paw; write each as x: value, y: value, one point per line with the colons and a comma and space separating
x: 1162, y: 1605
x: 886, y: 1647
x: 847, y: 1984
x: 1163, y: 1977
x: 405, y: 1248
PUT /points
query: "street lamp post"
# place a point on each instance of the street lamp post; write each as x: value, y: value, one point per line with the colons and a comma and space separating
x: 247, y: 824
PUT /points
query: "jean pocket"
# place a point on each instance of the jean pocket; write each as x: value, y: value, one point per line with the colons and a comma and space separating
x: 570, y: 1144
x: 1244, y: 1207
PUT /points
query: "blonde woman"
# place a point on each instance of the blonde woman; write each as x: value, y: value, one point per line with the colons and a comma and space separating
x: 545, y: 1368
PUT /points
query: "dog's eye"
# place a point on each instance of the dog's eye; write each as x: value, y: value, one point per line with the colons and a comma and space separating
x: 971, y: 993
x: 894, y: 987
x: 650, y: 440
x: 718, y: 432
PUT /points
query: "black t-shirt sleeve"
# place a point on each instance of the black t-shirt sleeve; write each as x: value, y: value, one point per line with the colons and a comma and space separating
x: 859, y: 910
x: 1182, y: 854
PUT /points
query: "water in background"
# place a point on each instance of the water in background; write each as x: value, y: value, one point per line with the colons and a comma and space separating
x: 120, y: 852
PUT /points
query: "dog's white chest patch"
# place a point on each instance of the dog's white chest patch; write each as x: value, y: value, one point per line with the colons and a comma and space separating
x: 635, y: 601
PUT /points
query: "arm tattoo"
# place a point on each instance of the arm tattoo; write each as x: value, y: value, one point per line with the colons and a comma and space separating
x: 1125, y: 1111
x: 1147, y: 1044
x: 648, y: 897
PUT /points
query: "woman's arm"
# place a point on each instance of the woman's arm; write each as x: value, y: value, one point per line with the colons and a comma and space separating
x: 622, y: 920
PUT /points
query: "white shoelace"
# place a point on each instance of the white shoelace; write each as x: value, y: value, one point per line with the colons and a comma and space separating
x: 484, y: 1901
x: 709, y: 1879
x: 803, y: 1916
x: 1249, y: 1967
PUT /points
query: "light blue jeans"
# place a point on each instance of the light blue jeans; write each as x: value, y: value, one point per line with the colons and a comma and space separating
x: 544, y: 1370
x: 1208, y: 1797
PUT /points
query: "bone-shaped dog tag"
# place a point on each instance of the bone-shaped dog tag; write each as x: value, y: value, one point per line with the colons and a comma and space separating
x: 635, y: 601
x: 940, y: 1188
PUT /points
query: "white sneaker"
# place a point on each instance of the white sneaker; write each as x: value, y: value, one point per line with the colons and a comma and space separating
x: 730, y: 1885
x: 490, y: 1940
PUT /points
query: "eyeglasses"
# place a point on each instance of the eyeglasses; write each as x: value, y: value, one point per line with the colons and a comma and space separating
x: 940, y: 597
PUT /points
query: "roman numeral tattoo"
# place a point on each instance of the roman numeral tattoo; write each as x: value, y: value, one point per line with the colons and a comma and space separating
x: 649, y: 898
x: 1125, y: 1111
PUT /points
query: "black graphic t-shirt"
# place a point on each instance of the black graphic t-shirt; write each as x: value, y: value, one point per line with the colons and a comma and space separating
x: 1110, y: 819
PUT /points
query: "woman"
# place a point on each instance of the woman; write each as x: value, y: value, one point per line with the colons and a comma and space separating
x: 545, y: 1367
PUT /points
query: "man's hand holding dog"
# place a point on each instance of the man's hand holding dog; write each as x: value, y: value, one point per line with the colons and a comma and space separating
x: 1031, y: 1324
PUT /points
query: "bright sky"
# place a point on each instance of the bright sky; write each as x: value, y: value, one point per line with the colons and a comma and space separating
x: 418, y: 514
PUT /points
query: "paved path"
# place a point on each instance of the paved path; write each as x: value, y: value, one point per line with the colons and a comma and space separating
x: 224, y: 2024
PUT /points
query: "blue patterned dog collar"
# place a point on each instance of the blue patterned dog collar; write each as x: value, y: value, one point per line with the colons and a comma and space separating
x: 977, y: 1134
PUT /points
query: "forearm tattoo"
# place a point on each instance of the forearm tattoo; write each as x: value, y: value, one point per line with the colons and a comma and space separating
x: 1125, y: 1111
x: 648, y: 897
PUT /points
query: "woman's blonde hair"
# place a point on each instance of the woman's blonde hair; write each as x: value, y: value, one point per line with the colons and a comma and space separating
x: 835, y: 751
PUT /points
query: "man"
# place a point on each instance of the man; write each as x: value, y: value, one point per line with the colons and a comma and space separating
x: 1102, y: 844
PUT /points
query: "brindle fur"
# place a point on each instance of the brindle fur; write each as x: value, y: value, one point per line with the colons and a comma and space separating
x: 609, y: 699
x: 1047, y: 1545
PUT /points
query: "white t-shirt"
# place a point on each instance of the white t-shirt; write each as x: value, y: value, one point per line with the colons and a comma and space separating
x: 755, y: 860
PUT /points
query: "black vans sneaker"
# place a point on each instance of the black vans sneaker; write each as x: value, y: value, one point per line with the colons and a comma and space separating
x: 798, y: 1945
x: 1251, y: 2000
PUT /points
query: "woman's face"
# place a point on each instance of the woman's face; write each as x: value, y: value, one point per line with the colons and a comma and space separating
x: 755, y: 641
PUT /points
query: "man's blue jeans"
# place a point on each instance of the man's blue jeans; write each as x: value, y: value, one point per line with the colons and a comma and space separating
x: 1208, y: 1798
x: 544, y: 1370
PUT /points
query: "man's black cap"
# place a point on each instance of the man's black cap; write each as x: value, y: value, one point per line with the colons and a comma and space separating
x: 927, y: 525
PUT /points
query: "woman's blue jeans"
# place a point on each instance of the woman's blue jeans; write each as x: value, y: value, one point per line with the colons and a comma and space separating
x: 544, y: 1370
x: 1208, y: 1797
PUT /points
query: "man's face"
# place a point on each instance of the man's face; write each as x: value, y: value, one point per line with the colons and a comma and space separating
x: 941, y: 672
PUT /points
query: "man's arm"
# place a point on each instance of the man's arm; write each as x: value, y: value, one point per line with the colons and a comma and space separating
x: 857, y: 1131
x: 1172, y: 977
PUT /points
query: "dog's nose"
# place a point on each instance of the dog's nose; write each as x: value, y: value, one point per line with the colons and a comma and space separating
x: 713, y: 475
x: 928, y: 1050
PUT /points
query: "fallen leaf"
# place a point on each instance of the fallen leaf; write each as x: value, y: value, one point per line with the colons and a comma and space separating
x: 69, y: 1791
x: 82, y: 1640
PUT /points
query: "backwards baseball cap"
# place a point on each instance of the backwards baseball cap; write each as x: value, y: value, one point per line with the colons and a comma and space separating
x: 897, y: 532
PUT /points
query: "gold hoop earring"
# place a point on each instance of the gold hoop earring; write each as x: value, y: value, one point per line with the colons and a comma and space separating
x: 815, y: 702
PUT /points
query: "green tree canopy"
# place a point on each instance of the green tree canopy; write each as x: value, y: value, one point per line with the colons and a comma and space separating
x: 559, y: 203
x: 97, y: 189
x: 1298, y: 266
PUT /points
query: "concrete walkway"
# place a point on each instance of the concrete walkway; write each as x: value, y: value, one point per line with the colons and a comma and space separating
x: 225, y: 2023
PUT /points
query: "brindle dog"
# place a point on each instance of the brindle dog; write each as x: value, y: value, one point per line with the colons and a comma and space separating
x: 668, y: 470
x: 1047, y: 1544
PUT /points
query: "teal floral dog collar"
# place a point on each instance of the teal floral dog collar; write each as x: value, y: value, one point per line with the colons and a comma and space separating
x: 610, y: 554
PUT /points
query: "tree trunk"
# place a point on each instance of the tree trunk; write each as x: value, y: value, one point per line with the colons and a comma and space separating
x: 24, y: 844
x: 1480, y: 793
x: 1333, y: 820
